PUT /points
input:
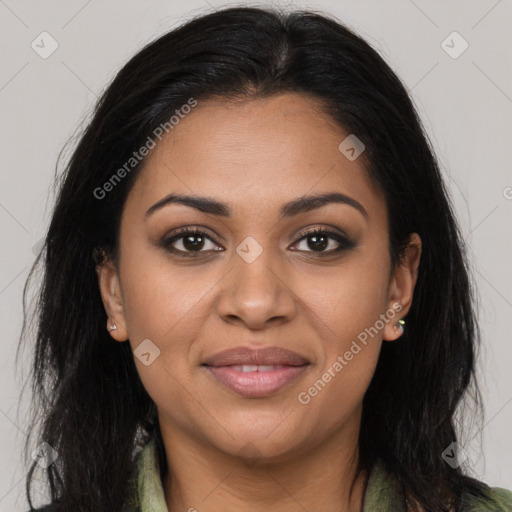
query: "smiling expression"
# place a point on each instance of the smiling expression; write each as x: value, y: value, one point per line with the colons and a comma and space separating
x: 287, y: 246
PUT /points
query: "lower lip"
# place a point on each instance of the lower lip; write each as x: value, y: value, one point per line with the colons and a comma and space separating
x: 256, y: 384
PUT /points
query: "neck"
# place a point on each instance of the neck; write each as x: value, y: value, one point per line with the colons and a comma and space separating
x: 323, y: 477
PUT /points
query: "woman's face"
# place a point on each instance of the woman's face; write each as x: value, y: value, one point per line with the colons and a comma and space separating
x: 254, y: 279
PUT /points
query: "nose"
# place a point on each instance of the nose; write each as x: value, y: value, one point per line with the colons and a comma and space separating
x: 256, y: 293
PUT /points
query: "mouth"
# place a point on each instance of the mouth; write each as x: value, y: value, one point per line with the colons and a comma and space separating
x: 256, y: 381
x: 256, y: 373
x: 246, y: 368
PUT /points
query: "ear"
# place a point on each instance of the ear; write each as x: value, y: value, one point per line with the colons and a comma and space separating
x: 401, y: 286
x: 112, y: 297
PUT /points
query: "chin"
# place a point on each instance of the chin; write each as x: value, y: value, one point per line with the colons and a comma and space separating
x: 255, y: 448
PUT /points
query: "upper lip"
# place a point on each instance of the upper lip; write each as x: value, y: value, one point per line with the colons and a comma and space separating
x: 259, y: 356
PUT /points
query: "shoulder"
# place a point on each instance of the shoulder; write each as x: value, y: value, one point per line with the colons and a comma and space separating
x: 497, y: 499
x: 501, y: 497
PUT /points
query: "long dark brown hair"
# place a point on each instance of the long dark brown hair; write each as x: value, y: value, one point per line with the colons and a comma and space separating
x: 87, y: 394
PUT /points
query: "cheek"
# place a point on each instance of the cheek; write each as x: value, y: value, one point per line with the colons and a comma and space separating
x: 349, y: 358
x: 160, y: 297
x: 347, y: 299
x: 346, y: 308
x: 167, y: 305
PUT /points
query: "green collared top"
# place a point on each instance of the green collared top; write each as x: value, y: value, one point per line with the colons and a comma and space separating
x: 147, y: 493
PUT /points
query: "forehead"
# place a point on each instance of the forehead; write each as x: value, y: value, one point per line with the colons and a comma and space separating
x: 251, y: 152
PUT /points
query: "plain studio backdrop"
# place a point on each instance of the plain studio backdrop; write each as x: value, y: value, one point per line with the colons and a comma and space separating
x: 455, y: 59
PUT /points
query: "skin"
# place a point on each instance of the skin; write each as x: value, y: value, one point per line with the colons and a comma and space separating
x: 227, y: 452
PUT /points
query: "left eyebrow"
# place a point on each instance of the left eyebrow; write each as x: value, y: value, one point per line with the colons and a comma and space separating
x: 312, y: 202
x: 290, y: 209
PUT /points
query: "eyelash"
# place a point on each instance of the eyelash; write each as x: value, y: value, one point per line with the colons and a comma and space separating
x: 344, y: 243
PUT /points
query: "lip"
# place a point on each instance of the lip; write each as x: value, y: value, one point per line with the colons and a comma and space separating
x: 258, y: 382
x: 264, y: 356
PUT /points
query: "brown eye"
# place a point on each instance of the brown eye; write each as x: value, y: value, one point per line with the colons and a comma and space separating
x: 192, y: 241
x: 318, y: 240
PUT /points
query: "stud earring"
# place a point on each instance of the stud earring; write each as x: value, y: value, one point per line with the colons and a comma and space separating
x: 113, y: 327
x: 400, y: 325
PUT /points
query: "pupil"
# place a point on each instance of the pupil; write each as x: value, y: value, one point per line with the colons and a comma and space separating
x: 319, y: 242
x: 189, y: 245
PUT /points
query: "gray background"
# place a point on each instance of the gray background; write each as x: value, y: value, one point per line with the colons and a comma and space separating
x: 465, y: 103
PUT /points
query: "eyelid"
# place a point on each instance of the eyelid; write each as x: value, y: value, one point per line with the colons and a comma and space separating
x: 325, y: 228
x: 193, y: 230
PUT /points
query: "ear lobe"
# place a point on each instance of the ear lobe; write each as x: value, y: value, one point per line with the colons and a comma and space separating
x: 401, y: 288
x: 112, y: 298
